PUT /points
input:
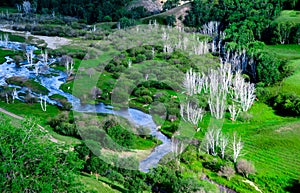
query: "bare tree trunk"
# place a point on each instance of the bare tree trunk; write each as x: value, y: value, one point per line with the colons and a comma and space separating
x: 192, y: 113
x: 234, y: 111
x: 14, y: 95
x: 43, y: 103
x: 237, y: 146
x: 6, y: 39
x: 223, y: 145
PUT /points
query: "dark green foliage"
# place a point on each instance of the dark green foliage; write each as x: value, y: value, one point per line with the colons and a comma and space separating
x: 30, y: 162
x: 63, y: 125
x: 140, y: 58
x: 89, y: 11
x: 243, y: 20
x: 169, y: 128
x: 29, y: 83
x: 138, y: 12
x: 283, y: 33
x: 170, y: 20
x: 169, y: 4
x: 214, y: 164
x: 267, y: 68
x: 120, y: 135
x: 65, y: 105
x: 164, y: 179
x: 126, y: 22
x: 262, y: 94
x: 113, y: 168
x: 287, y: 104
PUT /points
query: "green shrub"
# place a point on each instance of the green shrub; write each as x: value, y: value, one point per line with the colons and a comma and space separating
x: 245, y: 116
x: 121, y: 135
x: 214, y: 164
x: 287, y: 104
x: 107, y: 19
x: 140, y: 58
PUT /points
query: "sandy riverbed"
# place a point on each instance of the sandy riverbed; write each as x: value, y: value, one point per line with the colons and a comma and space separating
x: 51, y: 42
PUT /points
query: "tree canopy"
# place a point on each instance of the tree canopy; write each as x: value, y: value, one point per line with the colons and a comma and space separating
x: 30, y: 162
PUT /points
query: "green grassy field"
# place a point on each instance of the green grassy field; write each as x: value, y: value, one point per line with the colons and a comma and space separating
x: 291, y: 53
x: 271, y: 142
x: 289, y: 16
x: 12, y: 37
x: 8, y: 9
x: 92, y: 184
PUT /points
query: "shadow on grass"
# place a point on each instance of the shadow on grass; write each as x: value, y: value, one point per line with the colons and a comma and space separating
x: 294, y: 187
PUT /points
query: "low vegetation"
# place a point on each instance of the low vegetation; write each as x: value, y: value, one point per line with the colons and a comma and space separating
x: 217, y: 134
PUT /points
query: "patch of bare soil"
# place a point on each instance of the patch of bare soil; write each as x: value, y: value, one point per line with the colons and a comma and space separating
x: 285, y: 128
x: 253, y: 185
x: 139, y: 154
x: 50, y: 42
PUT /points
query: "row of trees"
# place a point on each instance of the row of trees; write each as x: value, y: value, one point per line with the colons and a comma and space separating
x: 219, y: 84
x: 89, y: 11
x: 243, y: 21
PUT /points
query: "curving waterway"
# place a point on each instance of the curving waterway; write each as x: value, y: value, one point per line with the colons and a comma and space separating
x: 52, y: 80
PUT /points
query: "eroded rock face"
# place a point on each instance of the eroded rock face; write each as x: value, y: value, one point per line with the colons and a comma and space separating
x: 150, y: 5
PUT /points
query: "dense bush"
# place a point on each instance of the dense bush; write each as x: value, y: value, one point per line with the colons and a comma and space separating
x: 227, y: 171
x: 30, y: 162
x: 164, y: 179
x: 121, y: 135
x: 287, y: 104
x: 268, y: 68
x: 140, y: 58
x: 170, y: 20
x: 63, y: 125
x: 214, y: 164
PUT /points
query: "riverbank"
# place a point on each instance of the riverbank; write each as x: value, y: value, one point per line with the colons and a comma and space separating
x: 47, y: 41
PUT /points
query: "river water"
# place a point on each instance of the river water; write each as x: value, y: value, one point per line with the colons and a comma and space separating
x: 52, y: 80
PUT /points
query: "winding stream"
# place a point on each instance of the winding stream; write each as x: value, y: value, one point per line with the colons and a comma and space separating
x: 52, y: 80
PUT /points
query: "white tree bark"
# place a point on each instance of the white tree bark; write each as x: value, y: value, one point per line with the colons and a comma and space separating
x: 223, y: 145
x: 177, y: 148
x: 242, y: 92
x: 26, y: 7
x: 43, y: 103
x: 212, y: 138
x: 6, y: 97
x: 192, y: 113
x: 217, y: 95
x: 6, y: 39
x: 234, y: 111
x: 14, y: 95
x: 193, y: 82
x: 237, y: 146
x: 36, y: 69
x: 29, y: 55
x: 68, y: 62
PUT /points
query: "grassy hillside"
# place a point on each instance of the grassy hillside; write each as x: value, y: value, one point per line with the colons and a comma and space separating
x: 289, y: 16
x: 177, y: 12
x: 290, y: 53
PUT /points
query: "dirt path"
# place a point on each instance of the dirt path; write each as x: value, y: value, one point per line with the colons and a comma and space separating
x: 22, y: 118
x: 253, y: 185
x: 52, y: 42
x: 177, y: 12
